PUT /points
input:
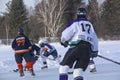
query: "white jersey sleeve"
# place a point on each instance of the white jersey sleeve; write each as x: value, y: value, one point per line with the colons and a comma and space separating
x: 69, y: 30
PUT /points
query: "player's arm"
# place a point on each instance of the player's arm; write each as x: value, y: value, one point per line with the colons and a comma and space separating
x: 94, y: 46
x: 67, y: 35
x: 28, y: 43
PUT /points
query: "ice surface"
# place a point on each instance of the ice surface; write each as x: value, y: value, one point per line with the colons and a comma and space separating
x: 106, y: 70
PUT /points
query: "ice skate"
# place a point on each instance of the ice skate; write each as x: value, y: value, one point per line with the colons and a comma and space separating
x: 92, y: 66
x: 93, y: 70
x: 15, y: 70
x: 32, y: 72
x: 21, y: 73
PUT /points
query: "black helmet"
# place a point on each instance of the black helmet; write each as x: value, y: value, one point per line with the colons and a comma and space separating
x: 81, y: 13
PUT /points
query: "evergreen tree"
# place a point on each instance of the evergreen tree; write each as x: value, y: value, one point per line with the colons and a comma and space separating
x: 111, y: 17
x: 93, y: 13
x: 72, y: 7
x: 17, y: 17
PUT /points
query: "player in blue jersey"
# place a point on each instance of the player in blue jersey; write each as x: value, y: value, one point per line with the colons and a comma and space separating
x: 35, y: 53
x: 22, y: 47
x: 82, y: 39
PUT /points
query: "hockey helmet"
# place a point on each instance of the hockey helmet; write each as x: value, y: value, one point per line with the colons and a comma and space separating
x: 41, y: 43
x: 81, y: 12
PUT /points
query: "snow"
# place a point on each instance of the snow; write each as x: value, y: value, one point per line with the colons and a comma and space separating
x: 106, y: 70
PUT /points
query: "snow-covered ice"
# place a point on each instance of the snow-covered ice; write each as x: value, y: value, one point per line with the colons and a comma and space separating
x: 106, y: 70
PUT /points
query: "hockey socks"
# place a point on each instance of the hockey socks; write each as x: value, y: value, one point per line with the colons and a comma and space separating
x: 20, y: 66
x: 63, y: 77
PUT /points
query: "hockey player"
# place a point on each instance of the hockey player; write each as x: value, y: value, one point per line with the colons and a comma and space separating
x: 22, y: 47
x: 35, y: 53
x: 46, y: 51
x: 83, y: 42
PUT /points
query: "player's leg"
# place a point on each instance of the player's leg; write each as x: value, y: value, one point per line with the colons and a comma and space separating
x: 18, y: 58
x: 92, y: 65
x: 63, y: 70
x: 29, y: 63
x: 78, y: 74
x: 43, y: 59
x: 66, y: 63
x: 33, y: 62
x: 82, y: 56
x: 79, y: 68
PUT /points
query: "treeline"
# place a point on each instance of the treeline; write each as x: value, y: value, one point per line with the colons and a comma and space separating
x: 50, y: 17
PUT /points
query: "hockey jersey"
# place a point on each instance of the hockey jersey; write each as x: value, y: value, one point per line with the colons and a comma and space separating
x: 80, y: 29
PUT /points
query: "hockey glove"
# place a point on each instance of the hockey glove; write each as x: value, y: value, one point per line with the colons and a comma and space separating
x: 94, y: 54
x: 65, y: 44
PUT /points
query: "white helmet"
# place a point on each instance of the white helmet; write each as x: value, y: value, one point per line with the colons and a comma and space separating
x: 41, y: 43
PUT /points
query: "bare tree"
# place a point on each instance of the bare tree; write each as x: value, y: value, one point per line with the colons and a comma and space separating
x: 5, y: 29
x: 50, y: 13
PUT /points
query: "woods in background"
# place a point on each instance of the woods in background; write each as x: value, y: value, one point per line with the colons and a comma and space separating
x: 50, y: 17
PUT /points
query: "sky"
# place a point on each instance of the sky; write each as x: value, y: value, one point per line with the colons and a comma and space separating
x: 106, y: 70
x: 29, y: 3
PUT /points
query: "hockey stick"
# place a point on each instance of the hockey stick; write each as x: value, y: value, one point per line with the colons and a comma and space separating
x: 52, y: 58
x: 102, y: 58
x: 109, y: 59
